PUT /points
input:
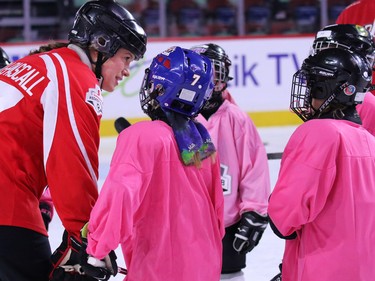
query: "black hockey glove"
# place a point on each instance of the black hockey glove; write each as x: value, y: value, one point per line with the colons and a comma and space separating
x: 249, y: 232
x: 66, y: 261
x: 47, y: 213
x: 277, y: 277
x: 95, y: 268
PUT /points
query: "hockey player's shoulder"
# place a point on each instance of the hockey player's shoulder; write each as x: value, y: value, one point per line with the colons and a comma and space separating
x: 324, y: 129
x: 148, y: 131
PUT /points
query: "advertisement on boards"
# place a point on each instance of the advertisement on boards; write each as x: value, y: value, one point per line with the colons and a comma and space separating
x: 262, y: 70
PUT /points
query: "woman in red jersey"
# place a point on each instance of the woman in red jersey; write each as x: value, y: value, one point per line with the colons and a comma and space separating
x: 50, y: 110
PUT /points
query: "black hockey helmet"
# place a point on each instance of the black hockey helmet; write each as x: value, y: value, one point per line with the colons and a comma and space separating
x: 348, y: 36
x: 339, y: 77
x: 219, y: 59
x: 107, y: 26
x: 4, y: 58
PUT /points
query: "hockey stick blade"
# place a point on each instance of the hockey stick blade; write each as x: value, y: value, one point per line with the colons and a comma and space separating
x: 274, y: 155
x: 121, y: 124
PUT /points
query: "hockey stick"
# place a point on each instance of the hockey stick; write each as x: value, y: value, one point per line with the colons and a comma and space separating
x: 277, y: 277
x: 122, y: 270
x: 274, y: 155
x: 99, y: 263
x: 121, y: 124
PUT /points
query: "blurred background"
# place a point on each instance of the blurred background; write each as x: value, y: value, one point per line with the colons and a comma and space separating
x: 266, y: 41
x: 40, y: 20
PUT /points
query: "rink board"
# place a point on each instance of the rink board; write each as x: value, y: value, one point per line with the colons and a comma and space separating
x: 262, y: 70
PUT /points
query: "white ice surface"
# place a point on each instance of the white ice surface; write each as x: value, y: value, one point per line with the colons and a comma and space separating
x: 263, y: 261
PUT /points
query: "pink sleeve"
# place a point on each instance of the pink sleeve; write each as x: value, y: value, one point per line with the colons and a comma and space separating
x: 46, y: 197
x: 254, y: 184
x: 228, y: 97
x: 366, y: 111
x: 306, y: 176
x: 112, y: 218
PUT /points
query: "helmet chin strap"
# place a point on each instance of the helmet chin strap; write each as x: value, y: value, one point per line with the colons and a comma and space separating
x: 100, y: 60
x: 98, y: 69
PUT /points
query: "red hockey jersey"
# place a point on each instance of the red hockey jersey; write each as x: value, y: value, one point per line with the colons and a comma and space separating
x: 50, y: 109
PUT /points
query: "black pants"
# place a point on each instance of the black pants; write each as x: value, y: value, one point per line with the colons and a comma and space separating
x: 232, y: 260
x: 24, y: 255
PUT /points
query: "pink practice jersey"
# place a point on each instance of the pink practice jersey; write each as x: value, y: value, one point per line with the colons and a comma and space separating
x: 326, y: 194
x: 168, y: 217
x: 243, y: 161
x: 50, y: 108
x: 366, y: 111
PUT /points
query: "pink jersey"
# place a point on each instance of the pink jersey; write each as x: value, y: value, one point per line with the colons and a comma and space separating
x: 243, y: 161
x: 50, y: 108
x: 168, y: 217
x: 366, y: 111
x: 47, y: 199
x: 325, y: 193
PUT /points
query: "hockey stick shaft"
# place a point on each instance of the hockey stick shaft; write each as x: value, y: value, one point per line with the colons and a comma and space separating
x: 99, y: 263
x: 121, y: 124
x: 274, y: 155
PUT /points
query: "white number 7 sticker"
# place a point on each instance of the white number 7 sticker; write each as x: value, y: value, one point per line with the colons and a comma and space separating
x: 196, y: 78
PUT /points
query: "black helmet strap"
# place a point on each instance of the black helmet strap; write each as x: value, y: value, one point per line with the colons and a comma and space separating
x: 98, y: 66
x: 100, y: 60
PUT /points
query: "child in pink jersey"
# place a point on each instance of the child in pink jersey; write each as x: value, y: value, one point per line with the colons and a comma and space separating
x: 243, y: 162
x: 357, y: 39
x: 162, y: 199
x: 323, y: 202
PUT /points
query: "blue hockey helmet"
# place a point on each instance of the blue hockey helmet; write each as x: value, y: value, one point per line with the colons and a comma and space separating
x: 178, y: 80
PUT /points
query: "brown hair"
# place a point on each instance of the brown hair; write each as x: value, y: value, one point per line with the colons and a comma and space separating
x: 50, y: 46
